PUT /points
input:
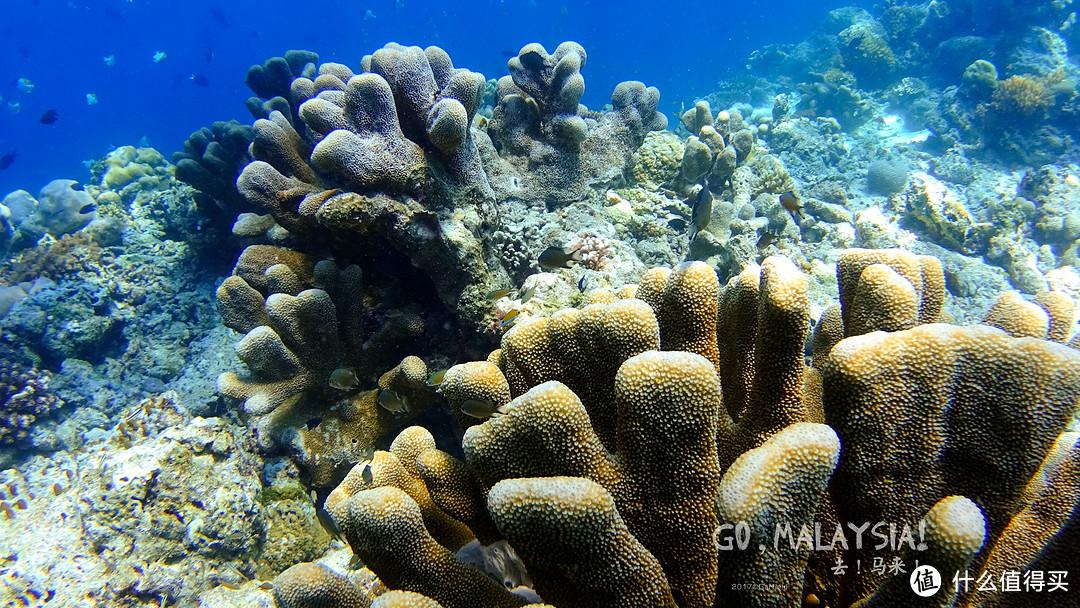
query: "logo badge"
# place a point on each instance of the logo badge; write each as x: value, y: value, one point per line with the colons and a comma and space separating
x: 925, y: 580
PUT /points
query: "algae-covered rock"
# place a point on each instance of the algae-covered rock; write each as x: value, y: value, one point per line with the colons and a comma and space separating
x: 942, y: 212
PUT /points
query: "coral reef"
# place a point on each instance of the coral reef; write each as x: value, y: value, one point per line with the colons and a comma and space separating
x: 549, y: 475
x: 302, y: 319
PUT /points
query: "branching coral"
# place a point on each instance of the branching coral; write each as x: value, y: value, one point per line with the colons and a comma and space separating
x: 24, y: 399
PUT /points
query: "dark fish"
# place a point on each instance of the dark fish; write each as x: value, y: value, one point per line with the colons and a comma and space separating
x: 701, y: 212
x: 789, y: 201
x: 557, y: 257
x: 256, y: 34
x: 7, y: 159
x: 367, y: 475
x: 766, y: 239
x: 200, y: 80
x: 312, y: 423
x: 509, y: 54
x: 49, y: 117
x: 24, y: 52
x: 219, y: 16
x: 582, y: 283
x: 328, y: 524
x: 343, y: 378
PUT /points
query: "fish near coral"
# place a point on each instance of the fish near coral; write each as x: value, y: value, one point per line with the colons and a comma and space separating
x: 558, y: 257
x: 392, y: 402
x: 791, y: 202
x: 497, y: 294
x: 49, y: 117
x: 481, y: 408
x: 701, y: 212
x: 343, y: 378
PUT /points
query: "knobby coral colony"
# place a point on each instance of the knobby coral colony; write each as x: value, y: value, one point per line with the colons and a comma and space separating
x: 618, y: 473
x: 612, y: 464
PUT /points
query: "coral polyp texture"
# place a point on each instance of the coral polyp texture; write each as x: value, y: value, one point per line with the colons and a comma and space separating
x: 621, y: 475
x: 302, y: 319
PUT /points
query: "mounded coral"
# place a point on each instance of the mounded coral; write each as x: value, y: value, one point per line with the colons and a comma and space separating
x: 588, y: 482
x: 832, y: 94
x: 61, y: 207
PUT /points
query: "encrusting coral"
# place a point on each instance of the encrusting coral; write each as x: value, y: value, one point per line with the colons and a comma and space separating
x: 613, y: 497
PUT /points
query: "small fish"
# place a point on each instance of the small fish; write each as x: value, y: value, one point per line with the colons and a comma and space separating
x: 24, y: 85
x: 199, y: 80
x: 789, y: 201
x: 369, y: 15
x: 312, y: 423
x: 91, y: 99
x: 230, y: 586
x: 14, y: 107
x: 49, y: 117
x: 582, y: 283
x: 236, y: 571
x: 558, y: 257
x: 143, y: 142
x: 390, y: 401
x: 219, y: 16
x: 701, y: 212
x: 7, y: 159
x: 509, y: 317
x: 327, y: 523
x: 366, y: 474
x: 110, y: 60
x: 159, y: 56
x: 766, y: 239
x: 344, y: 378
x: 436, y: 377
x: 496, y: 294
x: 481, y: 408
x: 110, y: 567
x: 133, y: 414
x: 367, y: 453
x: 529, y: 293
x: 354, y: 563
x: 265, y: 585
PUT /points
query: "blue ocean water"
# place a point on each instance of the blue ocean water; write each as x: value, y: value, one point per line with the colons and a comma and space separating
x: 61, y: 46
